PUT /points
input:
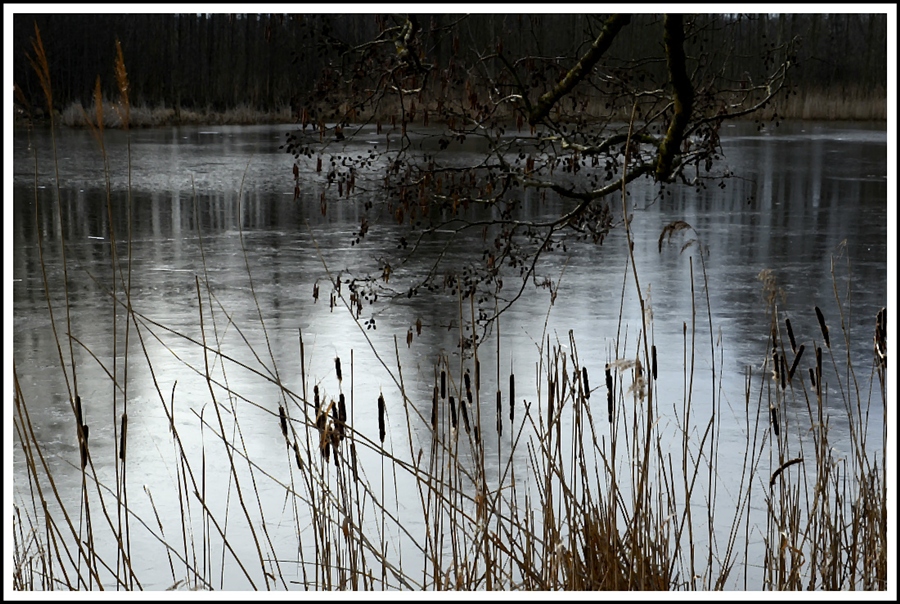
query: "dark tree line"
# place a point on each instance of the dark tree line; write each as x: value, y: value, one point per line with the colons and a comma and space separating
x: 219, y: 61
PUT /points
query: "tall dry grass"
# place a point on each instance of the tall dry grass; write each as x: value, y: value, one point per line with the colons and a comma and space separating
x: 621, y: 486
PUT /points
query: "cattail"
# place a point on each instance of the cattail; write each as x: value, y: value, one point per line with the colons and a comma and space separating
x: 512, y: 396
x: 812, y: 377
x: 381, y: 417
x: 453, y: 418
x: 283, y: 419
x: 337, y: 365
x: 477, y: 374
x: 465, y: 413
x: 342, y: 414
x: 78, y: 415
x: 335, y: 418
x: 609, y: 393
x: 297, y: 455
x: 823, y: 327
x: 434, y: 409
x: 335, y: 441
x: 316, y: 398
x: 443, y: 384
x: 774, y: 411
x: 653, y: 360
x: 353, y: 461
x: 776, y: 366
x: 796, y: 361
x: 122, y: 437
x: 790, y: 331
x: 881, y: 337
x: 550, y: 395
x: 84, y: 446
x: 587, y: 384
x: 321, y: 419
x: 325, y: 446
x: 468, y: 383
x: 819, y: 369
x: 499, y: 415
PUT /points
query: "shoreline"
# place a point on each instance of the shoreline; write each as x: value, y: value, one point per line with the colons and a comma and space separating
x: 849, y: 106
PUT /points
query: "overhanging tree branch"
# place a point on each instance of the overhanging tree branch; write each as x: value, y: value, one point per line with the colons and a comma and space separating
x: 575, y: 75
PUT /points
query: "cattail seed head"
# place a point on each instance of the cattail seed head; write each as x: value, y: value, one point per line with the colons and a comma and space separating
x: 881, y: 337
x: 335, y: 417
x: 453, y: 417
x: 477, y: 374
x: 796, y: 361
x: 381, y: 418
x: 337, y: 367
x: 84, y: 445
x: 823, y: 327
x: 434, y: 409
x: 512, y: 396
x: 341, y: 415
x: 790, y: 331
x: 283, y: 420
x: 297, y: 456
x: 122, y: 437
x: 609, y: 393
x: 78, y: 414
x: 465, y: 413
x: 443, y: 384
x: 587, y: 384
x: 551, y: 393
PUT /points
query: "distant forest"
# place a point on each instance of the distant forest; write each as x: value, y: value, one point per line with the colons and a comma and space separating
x: 269, y: 61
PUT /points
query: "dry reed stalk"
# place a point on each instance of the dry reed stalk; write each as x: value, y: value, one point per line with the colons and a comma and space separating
x: 782, y: 372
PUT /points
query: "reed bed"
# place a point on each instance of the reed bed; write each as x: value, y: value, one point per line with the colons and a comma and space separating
x: 592, y: 479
